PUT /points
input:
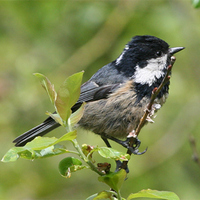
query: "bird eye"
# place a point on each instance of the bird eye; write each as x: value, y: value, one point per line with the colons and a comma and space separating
x: 158, y: 53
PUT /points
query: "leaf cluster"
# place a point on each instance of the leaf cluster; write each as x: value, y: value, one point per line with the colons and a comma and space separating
x: 42, y: 147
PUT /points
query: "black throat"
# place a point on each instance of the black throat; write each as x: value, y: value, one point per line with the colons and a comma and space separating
x: 144, y: 90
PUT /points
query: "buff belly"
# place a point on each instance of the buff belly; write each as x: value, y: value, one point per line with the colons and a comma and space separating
x: 115, y: 116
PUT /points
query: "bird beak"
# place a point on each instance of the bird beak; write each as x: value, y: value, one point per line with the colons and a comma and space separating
x: 174, y: 50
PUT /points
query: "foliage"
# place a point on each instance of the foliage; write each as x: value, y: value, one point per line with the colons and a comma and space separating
x: 42, y: 147
x: 196, y: 3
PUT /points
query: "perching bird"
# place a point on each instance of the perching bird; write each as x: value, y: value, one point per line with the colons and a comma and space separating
x: 118, y: 93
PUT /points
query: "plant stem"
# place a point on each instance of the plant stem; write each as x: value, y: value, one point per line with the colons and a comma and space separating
x: 119, y: 195
x: 195, y: 155
x: 114, y: 193
x: 82, y: 156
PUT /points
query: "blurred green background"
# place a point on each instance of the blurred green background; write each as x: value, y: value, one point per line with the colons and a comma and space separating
x: 59, y: 38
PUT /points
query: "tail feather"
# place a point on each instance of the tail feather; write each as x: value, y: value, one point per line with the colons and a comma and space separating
x: 48, y: 125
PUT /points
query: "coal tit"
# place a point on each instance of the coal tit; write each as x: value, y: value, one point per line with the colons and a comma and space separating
x: 118, y: 93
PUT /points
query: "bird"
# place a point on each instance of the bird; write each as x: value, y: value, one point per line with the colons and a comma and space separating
x: 118, y: 93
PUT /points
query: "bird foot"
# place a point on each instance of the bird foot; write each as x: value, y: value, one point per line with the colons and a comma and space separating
x: 120, y: 165
x: 134, y: 148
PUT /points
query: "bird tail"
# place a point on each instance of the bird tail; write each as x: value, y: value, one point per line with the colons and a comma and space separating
x: 48, y: 125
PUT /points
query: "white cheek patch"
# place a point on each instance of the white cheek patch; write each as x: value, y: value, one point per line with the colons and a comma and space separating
x: 153, y: 71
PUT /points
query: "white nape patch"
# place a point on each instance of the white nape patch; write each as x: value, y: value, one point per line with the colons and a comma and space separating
x: 153, y: 71
x: 126, y: 47
x: 120, y: 58
x: 122, y: 54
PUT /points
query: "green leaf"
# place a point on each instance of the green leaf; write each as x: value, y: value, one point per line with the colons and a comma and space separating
x: 196, y: 3
x: 76, y: 116
x: 113, y: 154
x: 40, y: 147
x: 56, y: 117
x: 114, y: 180
x: 43, y: 142
x: 62, y: 105
x: 154, y: 194
x: 30, y: 154
x: 51, y: 151
x: 92, y: 197
x: 68, y: 165
x: 40, y: 143
x: 12, y: 154
x: 68, y: 95
x: 68, y: 136
x: 86, y: 149
x: 73, y: 84
x: 46, y: 84
x: 103, y: 195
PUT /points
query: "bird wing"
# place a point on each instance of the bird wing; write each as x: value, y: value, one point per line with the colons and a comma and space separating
x: 91, y: 91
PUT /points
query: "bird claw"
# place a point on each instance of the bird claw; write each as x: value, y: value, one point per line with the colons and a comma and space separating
x: 134, y: 148
x: 119, y: 165
x: 136, y: 151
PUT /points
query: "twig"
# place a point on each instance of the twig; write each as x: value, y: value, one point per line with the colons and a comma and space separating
x: 195, y: 155
x: 154, y: 94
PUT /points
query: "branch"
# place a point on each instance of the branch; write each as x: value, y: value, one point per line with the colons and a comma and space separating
x: 195, y: 155
x: 154, y: 94
x: 134, y: 134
